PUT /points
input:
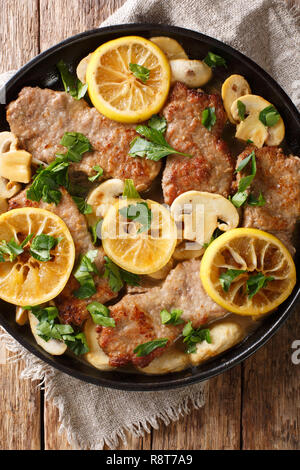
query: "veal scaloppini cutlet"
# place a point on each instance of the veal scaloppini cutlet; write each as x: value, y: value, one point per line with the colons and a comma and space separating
x: 278, y: 179
x: 211, y: 168
x: 40, y: 117
x: 72, y: 309
x: 138, y: 320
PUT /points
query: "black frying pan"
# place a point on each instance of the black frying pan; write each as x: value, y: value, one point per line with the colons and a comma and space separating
x: 41, y: 71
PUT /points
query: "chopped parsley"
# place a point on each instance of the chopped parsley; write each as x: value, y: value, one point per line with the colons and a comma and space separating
x: 171, y: 318
x: 99, y: 172
x: 50, y: 328
x: 242, y: 196
x: 140, y: 72
x: 117, y: 276
x: 209, y: 118
x: 83, y: 273
x: 269, y: 116
x: 214, y: 60
x: 154, y: 146
x: 147, y: 348
x: 41, y: 246
x: 257, y: 282
x: 241, y: 110
x: 82, y: 205
x: 71, y: 83
x: 100, y: 314
x: 46, y: 181
x: 12, y: 249
x: 139, y: 213
x: 193, y: 336
x: 129, y: 191
x: 228, y: 277
x: 96, y: 231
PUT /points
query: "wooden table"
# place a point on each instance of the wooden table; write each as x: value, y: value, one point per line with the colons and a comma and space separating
x: 253, y: 406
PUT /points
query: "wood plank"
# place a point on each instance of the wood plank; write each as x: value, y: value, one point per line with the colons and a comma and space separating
x: 19, y: 399
x: 215, y: 426
x: 19, y: 33
x: 271, y: 398
x: 61, y: 19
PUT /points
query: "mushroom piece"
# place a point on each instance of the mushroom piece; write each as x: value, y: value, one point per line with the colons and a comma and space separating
x: 251, y: 128
x: 53, y: 346
x: 16, y: 166
x: 95, y: 356
x: 102, y: 197
x: 172, y: 360
x: 233, y: 88
x: 3, y: 205
x: 8, y: 142
x: 193, y: 73
x: 223, y: 335
x: 183, y: 251
x: 170, y: 47
x: 81, y: 68
x: 21, y: 316
x: 201, y: 213
x: 8, y: 188
x: 163, y: 272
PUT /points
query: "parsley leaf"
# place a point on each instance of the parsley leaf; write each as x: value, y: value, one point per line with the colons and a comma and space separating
x: 156, y: 147
x: 146, y: 348
x: 96, y: 231
x: 171, y: 318
x: 83, y: 273
x: 228, y: 277
x: 129, y: 190
x: 47, y: 181
x: 99, y: 173
x: 269, y: 116
x: 41, y: 246
x: 49, y: 328
x: 260, y: 201
x: 214, y: 60
x: 158, y: 122
x: 140, y: 72
x: 241, y: 110
x: 257, y: 282
x: 140, y: 213
x: 209, y: 118
x: 82, y: 205
x: 193, y: 336
x: 241, y: 196
x: 117, y: 276
x: 72, y: 84
x: 12, y: 248
x: 100, y: 314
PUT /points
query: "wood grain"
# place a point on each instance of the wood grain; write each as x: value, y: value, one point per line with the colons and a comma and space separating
x: 20, y: 423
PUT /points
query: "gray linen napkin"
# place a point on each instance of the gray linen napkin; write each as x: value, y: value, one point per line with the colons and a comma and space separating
x: 268, y: 32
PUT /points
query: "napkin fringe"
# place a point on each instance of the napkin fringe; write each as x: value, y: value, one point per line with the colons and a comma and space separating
x: 42, y: 373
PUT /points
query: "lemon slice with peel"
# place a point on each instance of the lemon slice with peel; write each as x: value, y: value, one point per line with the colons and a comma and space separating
x: 26, y: 280
x: 136, y: 243
x: 116, y: 91
x: 254, y: 254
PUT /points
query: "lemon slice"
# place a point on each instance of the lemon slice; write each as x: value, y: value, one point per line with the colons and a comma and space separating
x: 128, y: 242
x: 26, y: 280
x: 115, y: 91
x: 253, y: 251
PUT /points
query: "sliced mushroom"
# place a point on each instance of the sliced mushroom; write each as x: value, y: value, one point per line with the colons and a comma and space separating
x: 193, y: 73
x: 21, y: 316
x: 234, y: 87
x: 95, y: 356
x: 16, y: 166
x: 173, y: 360
x: 170, y: 47
x: 8, y: 188
x: 224, y: 335
x: 102, y: 197
x: 53, y: 346
x: 201, y: 213
x: 251, y: 128
x: 81, y: 68
x: 8, y: 142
